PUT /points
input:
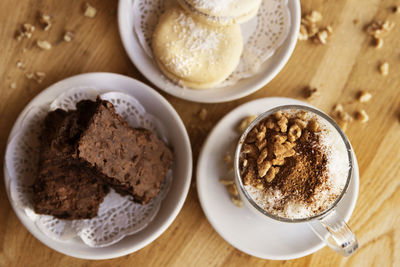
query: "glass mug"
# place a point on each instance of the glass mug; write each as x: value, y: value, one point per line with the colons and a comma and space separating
x: 340, y: 238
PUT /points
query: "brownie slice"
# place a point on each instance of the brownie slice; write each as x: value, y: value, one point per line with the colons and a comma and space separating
x: 65, y: 187
x: 68, y: 192
x: 135, y: 161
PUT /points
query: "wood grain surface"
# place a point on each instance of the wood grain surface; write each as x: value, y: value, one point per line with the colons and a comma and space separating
x: 339, y: 69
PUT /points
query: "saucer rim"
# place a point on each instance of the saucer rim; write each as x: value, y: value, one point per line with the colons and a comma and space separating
x: 214, y: 224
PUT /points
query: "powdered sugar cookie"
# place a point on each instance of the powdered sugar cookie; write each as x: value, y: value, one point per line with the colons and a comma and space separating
x: 222, y: 12
x: 195, y: 54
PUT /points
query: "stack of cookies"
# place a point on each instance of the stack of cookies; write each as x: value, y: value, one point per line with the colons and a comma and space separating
x: 198, y: 43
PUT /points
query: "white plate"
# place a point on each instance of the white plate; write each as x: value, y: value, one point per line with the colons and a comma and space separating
x: 242, y: 88
x: 156, y: 105
x: 240, y: 227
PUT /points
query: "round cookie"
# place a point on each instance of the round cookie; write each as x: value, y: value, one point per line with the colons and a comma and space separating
x: 222, y: 12
x: 194, y: 54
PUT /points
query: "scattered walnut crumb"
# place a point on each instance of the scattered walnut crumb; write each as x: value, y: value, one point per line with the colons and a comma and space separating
x: 68, y: 36
x: 378, y: 42
x: 314, y: 16
x: 20, y: 65
x: 245, y: 123
x: 226, y: 181
x: 361, y: 115
x: 90, y: 11
x: 322, y: 36
x: 384, y: 68
x: 309, y: 92
x: 237, y: 202
x: 228, y: 158
x: 342, y: 117
x: 356, y: 21
x: 202, y: 114
x: 303, y: 34
x: 309, y: 29
x: 232, y: 190
x: 46, y: 21
x: 26, y: 31
x: 45, y: 45
x: 13, y: 85
x: 364, y: 96
x: 37, y: 76
x: 379, y: 28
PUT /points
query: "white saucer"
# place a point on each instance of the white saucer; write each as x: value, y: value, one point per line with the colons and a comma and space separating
x: 239, y: 226
x: 244, y: 87
x: 154, y: 104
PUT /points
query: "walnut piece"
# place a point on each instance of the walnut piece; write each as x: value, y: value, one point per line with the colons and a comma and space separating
x: 226, y: 181
x: 309, y: 29
x: 250, y: 176
x: 26, y: 31
x: 361, y: 116
x: 68, y: 36
x: 20, y: 65
x: 322, y: 36
x: 250, y: 149
x: 282, y: 123
x: 245, y: 123
x: 263, y: 168
x: 37, y: 76
x: 279, y: 138
x: 384, y: 68
x: 46, y: 21
x: 294, y: 133
x: 44, y: 45
x: 261, y: 144
x: 313, y: 126
x: 237, y: 202
x: 232, y: 189
x: 283, y: 150
x: 302, y: 124
x: 261, y: 133
x: 309, y: 92
x: 314, y: 16
x: 228, y: 158
x: 378, y: 42
x: 263, y: 155
x: 303, y: 34
x: 278, y: 161
x: 364, y: 96
x: 90, y: 11
x: 271, y: 174
x: 302, y: 115
x: 379, y: 29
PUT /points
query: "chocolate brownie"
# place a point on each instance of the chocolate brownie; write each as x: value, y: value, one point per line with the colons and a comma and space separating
x: 68, y: 191
x: 64, y: 187
x: 135, y: 161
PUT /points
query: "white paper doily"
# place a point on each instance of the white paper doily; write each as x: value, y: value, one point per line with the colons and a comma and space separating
x: 118, y: 215
x: 263, y: 35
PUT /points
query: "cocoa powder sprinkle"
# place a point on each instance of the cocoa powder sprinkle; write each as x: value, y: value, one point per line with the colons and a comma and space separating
x: 298, y: 173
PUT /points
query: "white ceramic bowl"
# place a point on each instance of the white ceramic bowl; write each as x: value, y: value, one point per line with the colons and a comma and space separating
x: 242, y: 88
x: 156, y: 105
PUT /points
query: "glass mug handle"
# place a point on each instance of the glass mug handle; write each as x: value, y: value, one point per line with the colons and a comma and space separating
x: 340, y: 238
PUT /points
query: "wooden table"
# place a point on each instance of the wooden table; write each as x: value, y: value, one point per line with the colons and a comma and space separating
x: 347, y: 64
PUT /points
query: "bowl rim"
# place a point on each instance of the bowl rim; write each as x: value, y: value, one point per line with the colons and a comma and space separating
x: 249, y: 85
x: 187, y: 173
